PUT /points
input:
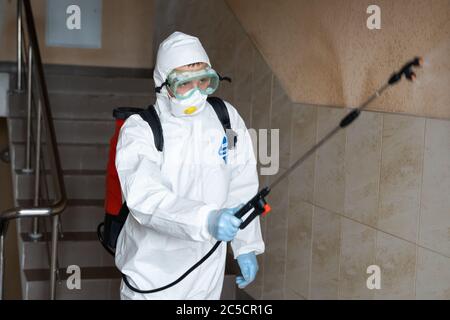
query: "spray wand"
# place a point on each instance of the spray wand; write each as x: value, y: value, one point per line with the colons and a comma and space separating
x: 259, y: 204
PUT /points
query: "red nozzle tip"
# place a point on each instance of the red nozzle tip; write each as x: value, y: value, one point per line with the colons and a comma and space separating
x: 421, y: 61
x: 267, y: 209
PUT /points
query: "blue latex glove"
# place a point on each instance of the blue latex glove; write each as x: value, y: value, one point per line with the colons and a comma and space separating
x: 223, y: 225
x: 249, y: 267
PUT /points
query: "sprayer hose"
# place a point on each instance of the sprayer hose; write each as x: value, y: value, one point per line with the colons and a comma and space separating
x: 214, y: 248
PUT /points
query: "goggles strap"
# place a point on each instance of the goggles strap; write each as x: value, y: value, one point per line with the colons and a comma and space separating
x: 158, y: 89
x: 223, y: 78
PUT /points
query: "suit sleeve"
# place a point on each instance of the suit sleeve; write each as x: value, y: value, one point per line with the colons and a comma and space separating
x: 151, y: 202
x: 244, y: 185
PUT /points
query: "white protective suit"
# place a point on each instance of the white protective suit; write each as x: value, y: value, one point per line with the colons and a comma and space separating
x: 170, y: 194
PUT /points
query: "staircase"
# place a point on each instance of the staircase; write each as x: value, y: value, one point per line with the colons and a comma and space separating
x: 82, y: 113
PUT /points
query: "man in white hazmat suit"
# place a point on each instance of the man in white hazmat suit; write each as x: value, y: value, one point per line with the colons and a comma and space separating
x: 182, y: 200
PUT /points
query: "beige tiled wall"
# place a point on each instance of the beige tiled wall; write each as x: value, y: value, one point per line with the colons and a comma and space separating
x: 378, y: 193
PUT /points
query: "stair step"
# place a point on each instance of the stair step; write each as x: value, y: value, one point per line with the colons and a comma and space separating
x: 80, y: 215
x: 96, y: 283
x: 68, y: 130
x: 87, y: 273
x: 66, y: 236
x: 81, y: 105
x: 80, y: 184
x: 74, y: 248
x: 93, y: 84
x: 106, y: 72
x: 70, y: 202
x: 73, y: 156
x: 71, y: 172
x: 229, y: 288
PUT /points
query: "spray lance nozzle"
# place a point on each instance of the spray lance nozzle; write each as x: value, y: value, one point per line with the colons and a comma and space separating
x: 407, y: 71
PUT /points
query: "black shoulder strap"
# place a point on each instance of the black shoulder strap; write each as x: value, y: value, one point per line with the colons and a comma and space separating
x: 222, y: 113
x: 152, y: 118
x: 221, y: 110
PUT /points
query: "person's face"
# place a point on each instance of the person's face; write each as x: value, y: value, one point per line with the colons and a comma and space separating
x: 195, y: 83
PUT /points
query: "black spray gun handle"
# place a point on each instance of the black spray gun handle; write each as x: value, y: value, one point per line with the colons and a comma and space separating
x: 258, y: 203
x: 407, y: 71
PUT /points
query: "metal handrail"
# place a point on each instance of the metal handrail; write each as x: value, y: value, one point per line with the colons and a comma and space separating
x: 58, y: 206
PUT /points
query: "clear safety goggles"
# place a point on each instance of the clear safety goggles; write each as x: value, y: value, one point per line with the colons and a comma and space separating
x: 183, y: 84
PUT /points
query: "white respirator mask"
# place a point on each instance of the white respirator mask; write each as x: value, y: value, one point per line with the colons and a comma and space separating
x: 188, y: 107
